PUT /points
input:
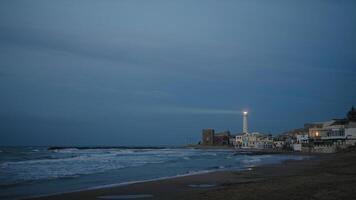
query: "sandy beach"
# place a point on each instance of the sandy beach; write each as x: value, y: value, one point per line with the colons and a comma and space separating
x: 328, y: 176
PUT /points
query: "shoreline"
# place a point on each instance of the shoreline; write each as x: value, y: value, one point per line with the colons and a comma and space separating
x: 323, y: 176
x: 123, y: 184
x: 214, y: 178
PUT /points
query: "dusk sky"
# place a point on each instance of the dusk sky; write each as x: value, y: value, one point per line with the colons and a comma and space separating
x: 156, y: 72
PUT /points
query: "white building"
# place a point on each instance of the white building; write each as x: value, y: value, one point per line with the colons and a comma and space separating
x: 350, y: 133
x: 254, y: 140
x: 279, y: 144
x: 339, y: 132
x: 302, y: 139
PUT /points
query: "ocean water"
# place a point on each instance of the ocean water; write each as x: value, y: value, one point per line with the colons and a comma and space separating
x: 33, y: 171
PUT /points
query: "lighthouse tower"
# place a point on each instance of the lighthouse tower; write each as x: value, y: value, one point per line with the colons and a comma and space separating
x: 245, y: 115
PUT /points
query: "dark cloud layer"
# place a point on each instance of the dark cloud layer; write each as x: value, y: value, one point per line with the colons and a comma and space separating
x: 157, y: 72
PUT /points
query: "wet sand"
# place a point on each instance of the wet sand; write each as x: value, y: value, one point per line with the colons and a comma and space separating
x: 328, y: 176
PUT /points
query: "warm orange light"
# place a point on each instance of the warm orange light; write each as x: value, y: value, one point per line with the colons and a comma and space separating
x: 317, y: 134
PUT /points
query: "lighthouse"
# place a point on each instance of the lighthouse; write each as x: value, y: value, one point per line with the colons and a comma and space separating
x: 245, y: 115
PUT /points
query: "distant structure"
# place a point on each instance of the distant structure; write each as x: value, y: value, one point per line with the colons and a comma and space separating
x: 322, y: 137
x: 245, y: 140
x: 252, y: 140
x: 209, y: 137
x: 316, y: 137
x: 245, y: 128
x: 336, y: 131
x: 222, y: 138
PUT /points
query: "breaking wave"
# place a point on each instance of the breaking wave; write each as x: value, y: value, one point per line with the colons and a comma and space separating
x: 64, y: 163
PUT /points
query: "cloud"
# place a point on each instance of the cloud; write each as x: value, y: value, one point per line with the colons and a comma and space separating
x: 146, y: 51
x: 76, y: 44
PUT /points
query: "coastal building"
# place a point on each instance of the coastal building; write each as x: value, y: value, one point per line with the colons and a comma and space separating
x: 350, y: 133
x: 279, y: 144
x: 222, y: 138
x: 254, y: 140
x: 264, y: 141
x: 232, y: 140
x: 249, y: 140
x: 209, y: 137
x: 331, y: 130
x: 336, y: 130
x: 284, y: 141
x: 296, y: 136
x: 333, y: 135
x: 302, y: 138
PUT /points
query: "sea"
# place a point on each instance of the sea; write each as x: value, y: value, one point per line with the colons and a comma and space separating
x: 37, y: 171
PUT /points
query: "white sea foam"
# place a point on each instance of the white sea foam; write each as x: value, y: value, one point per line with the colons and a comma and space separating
x: 251, y: 160
x: 68, y: 150
x: 88, y: 161
x: 68, y: 167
